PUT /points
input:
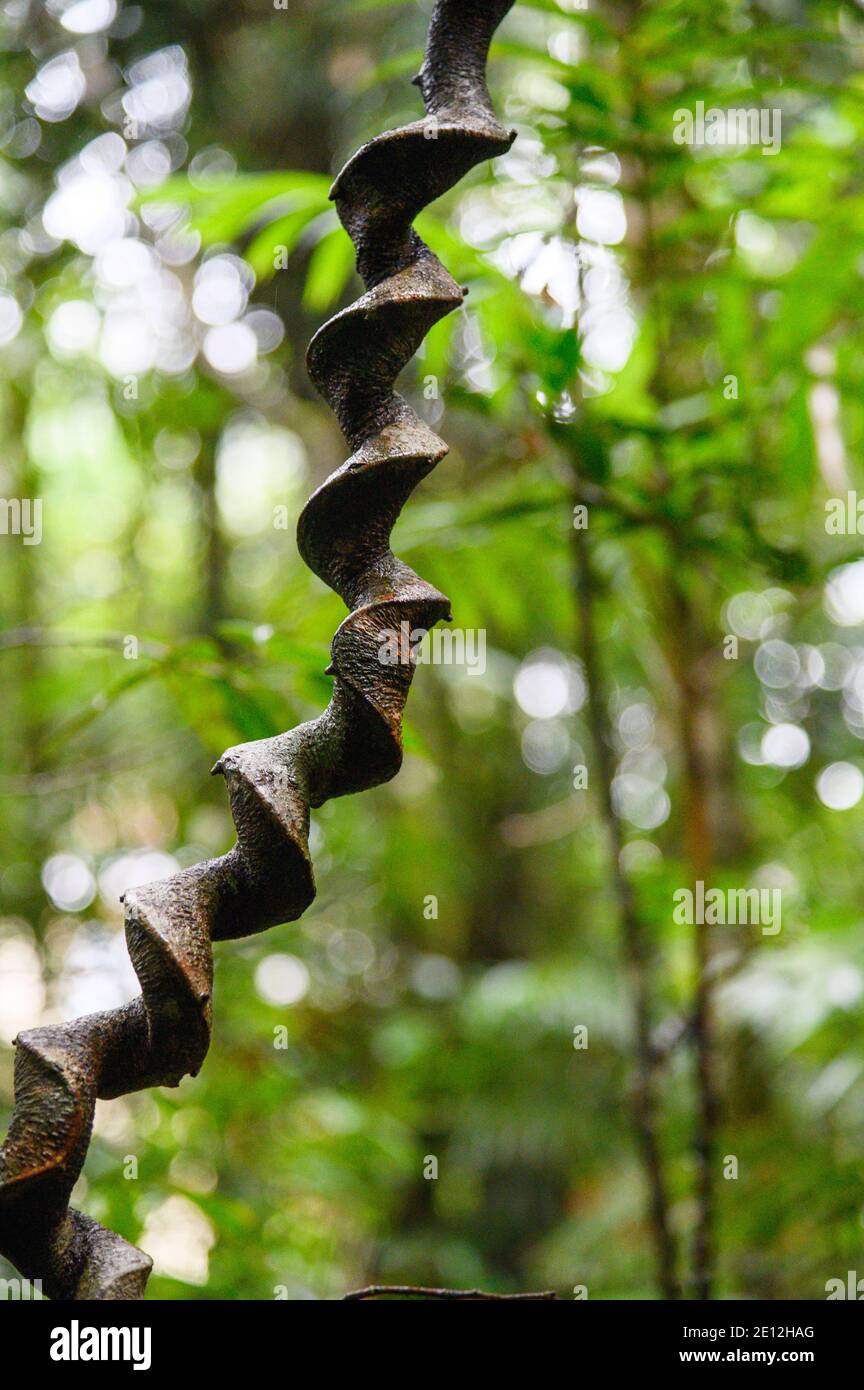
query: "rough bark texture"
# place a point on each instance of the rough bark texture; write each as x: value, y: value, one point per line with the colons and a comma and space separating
x: 344, y: 536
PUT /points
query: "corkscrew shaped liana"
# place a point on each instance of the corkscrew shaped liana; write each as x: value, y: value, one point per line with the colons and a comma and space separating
x: 344, y: 536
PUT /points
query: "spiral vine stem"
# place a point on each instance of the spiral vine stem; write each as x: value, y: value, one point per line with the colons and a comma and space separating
x: 344, y: 536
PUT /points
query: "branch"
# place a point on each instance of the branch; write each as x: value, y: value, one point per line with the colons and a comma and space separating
x: 418, y: 1291
x: 693, y: 707
x: 273, y: 784
x: 635, y: 945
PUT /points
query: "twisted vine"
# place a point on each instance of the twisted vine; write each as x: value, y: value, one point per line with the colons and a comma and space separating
x: 344, y: 537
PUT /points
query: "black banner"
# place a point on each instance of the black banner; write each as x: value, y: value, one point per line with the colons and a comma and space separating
x: 179, y: 1337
